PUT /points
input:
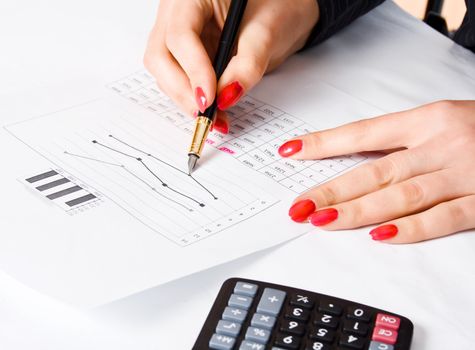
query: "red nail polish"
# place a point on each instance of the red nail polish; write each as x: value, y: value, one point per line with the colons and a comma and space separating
x: 323, y: 217
x: 383, y: 232
x: 221, y: 126
x: 195, y: 114
x: 300, y: 211
x: 290, y: 148
x: 200, y: 99
x: 230, y: 95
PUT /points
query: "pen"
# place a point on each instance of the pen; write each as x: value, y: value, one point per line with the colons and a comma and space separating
x: 204, y: 121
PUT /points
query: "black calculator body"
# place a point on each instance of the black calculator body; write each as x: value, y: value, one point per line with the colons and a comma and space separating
x: 256, y: 315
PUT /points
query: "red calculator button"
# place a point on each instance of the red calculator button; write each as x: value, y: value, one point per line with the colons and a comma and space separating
x: 383, y: 335
x: 388, y: 321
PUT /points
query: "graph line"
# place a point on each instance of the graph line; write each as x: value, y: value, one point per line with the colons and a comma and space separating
x: 140, y: 160
x: 93, y: 159
x: 165, y: 185
x: 132, y: 174
x: 165, y: 163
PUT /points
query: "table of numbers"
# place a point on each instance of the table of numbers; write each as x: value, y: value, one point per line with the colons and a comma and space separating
x: 256, y: 132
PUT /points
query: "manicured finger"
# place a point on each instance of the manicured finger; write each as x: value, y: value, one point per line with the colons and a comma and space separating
x: 221, y: 123
x: 373, y: 176
x: 401, y: 199
x: 248, y: 66
x: 169, y: 76
x: 439, y: 221
x: 386, y: 132
x: 183, y: 39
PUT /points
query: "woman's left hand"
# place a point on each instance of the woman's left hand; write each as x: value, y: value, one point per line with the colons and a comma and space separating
x: 423, y: 189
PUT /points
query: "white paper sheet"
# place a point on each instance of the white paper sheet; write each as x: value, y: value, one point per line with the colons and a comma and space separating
x: 432, y: 283
x: 116, y: 209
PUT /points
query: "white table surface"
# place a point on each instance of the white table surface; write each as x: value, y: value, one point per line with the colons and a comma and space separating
x: 52, y: 42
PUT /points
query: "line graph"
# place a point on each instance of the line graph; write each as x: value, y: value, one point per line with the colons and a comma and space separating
x: 114, y: 151
x: 167, y: 164
x: 152, y: 188
x: 141, y: 161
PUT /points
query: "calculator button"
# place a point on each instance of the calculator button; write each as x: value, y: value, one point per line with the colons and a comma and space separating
x: 316, y: 345
x: 383, y: 335
x: 352, y: 342
x: 276, y: 348
x: 271, y: 302
x: 292, y: 327
x: 244, y: 288
x: 221, y: 342
x: 287, y: 341
x: 239, y: 301
x: 326, y: 320
x: 388, y: 321
x: 297, y: 313
x: 355, y: 327
x: 330, y: 308
x: 263, y: 321
x: 228, y: 328
x: 250, y: 345
x: 234, y: 314
x: 359, y: 313
x: 322, y: 334
x: 302, y: 300
x: 258, y: 335
x: 376, y: 345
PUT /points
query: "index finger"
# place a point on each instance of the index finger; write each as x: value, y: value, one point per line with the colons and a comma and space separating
x: 183, y: 39
x: 385, y: 132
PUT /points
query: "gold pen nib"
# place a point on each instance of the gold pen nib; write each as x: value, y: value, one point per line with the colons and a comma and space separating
x: 192, y: 159
x: 203, y: 124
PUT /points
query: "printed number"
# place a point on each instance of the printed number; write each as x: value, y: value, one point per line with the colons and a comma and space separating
x: 317, y: 346
x: 359, y: 312
x: 326, y: 318
x: 288, y: 340
x: 293, y: 324
x: 322, y: 332
x: 297, y: 312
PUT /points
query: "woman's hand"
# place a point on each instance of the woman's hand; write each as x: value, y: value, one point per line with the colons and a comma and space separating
x: 423, y: 190
x: 186, y: 34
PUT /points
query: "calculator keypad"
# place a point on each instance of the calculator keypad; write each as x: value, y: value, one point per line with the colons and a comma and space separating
x: 264, y: 317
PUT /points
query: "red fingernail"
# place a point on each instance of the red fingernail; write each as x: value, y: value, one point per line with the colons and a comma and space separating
x: 323, y: 217
x: 221, y: 126
x: 230, y: 95
x: 290, y: 147
x: 300, y: 211
x: 195, y: 114
x: 383, y: 232
x: 200, y: 99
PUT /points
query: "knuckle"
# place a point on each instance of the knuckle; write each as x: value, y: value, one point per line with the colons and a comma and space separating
x: 313, y: 140
x: 415, y: 230
x: 383, y: 172
x: 254, y: 67
x: 266, y: 36
x: 353, y: 214
x: 413, y: 194
x: 329, y: 194
x: 459, y: 217
x: 363, y: 127
x: 443, y: 111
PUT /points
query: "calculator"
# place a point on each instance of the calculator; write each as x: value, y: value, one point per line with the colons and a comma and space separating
x: 256, y: 315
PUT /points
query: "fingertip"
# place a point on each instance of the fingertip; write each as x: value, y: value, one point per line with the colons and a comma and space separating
x: 290, y: 148
x: 384, y: 232
x: 230, y: 95
x: 221, y: 123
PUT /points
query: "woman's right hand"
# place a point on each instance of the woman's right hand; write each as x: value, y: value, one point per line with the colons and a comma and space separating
x: 185, y: 36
